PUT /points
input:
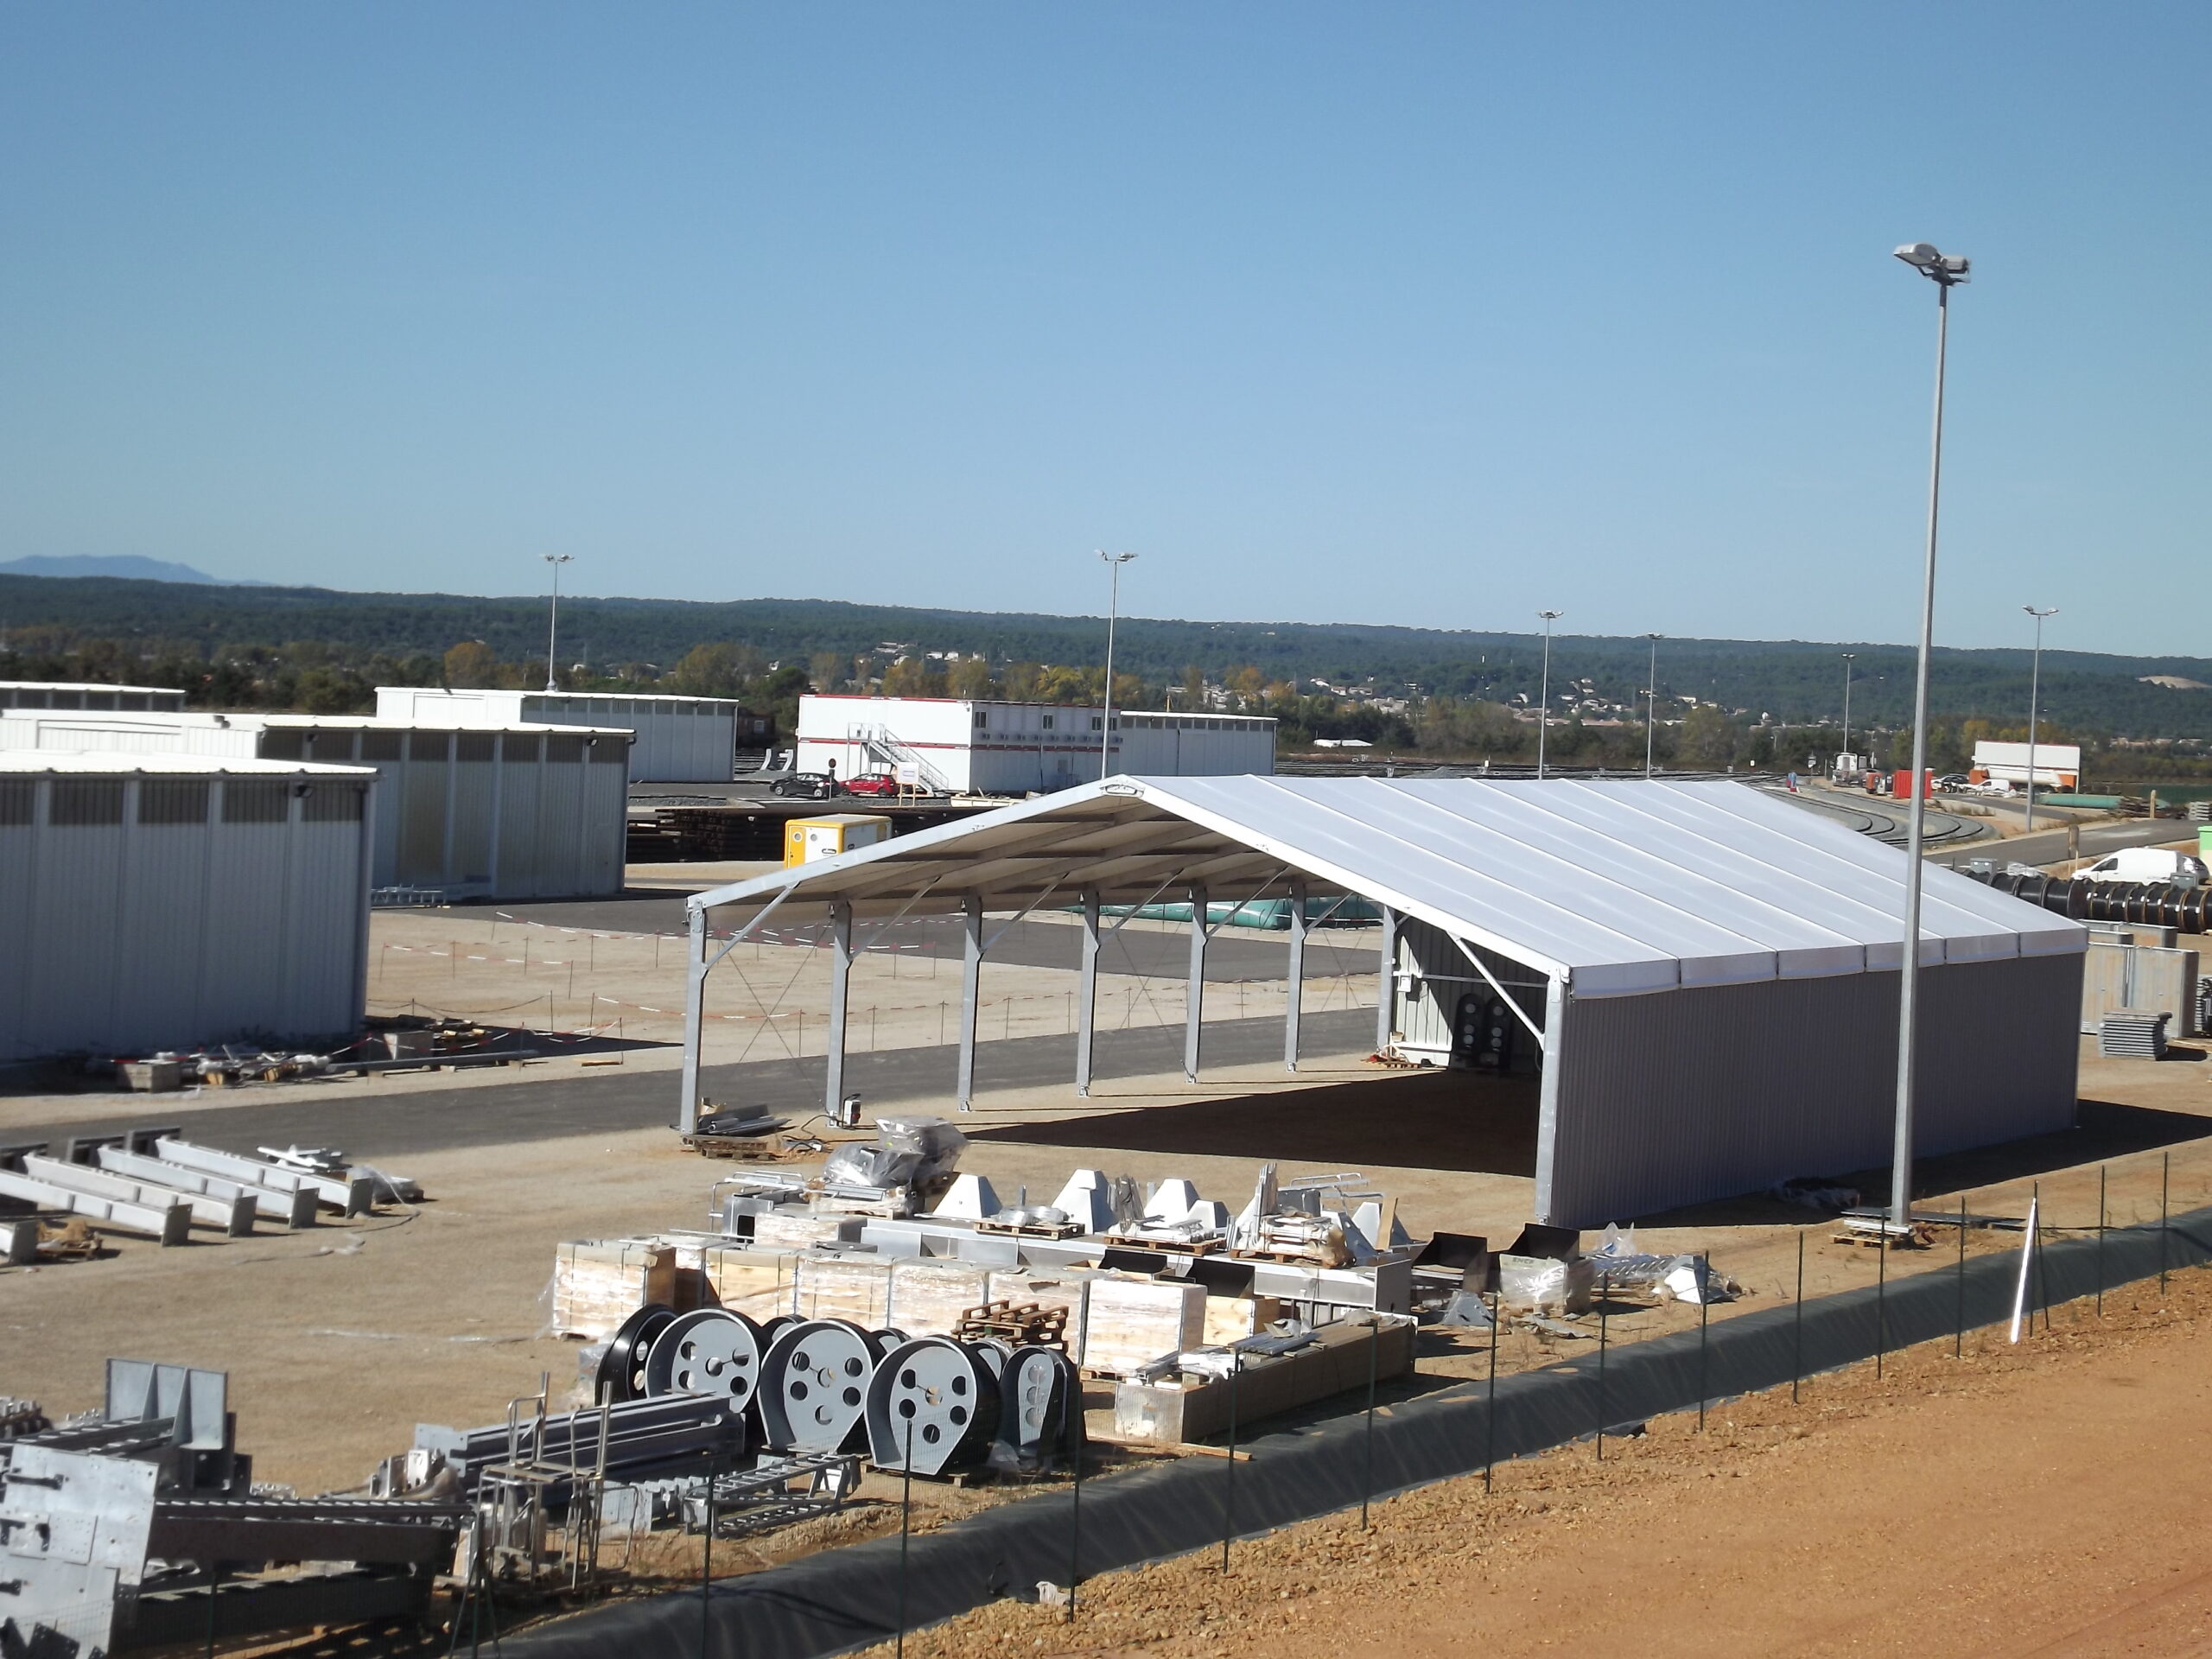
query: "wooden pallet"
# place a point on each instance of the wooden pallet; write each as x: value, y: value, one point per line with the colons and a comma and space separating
x: 1022, y: 1325
x: 741, y: 1148
x: 1287, y: 1258
x: 1031, y: 1229
x: 1168, y: 1246
x: 1874, y: 1239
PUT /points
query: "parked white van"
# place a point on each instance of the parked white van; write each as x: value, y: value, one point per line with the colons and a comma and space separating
x: 2135, y: 864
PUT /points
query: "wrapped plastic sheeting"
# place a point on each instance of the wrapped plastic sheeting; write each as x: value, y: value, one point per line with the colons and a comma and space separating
x: 871, y: 1165
x: 935, y: 1144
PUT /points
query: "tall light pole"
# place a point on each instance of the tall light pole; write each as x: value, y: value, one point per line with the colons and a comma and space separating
x: 553, y: 616
x: 2035, y: 685
x: 1114, y: 563
x: 1544, y: 694
x: 1651, y: 702
x: 1848, y: 658
x: 1946, y: 271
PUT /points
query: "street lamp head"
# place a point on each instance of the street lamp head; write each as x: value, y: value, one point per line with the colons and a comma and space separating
x: 2038, y: 614
x: 1551, y: 616
x: 558, y: 558
x: 1115, y: 558
x: 1944, y: 269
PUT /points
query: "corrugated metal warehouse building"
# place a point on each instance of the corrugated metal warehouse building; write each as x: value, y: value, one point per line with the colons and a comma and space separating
x: 152, y: 901
x: 680, y: 740
x: 1703, y: 975
x: 962, y: 745
x: 46, y: 693
x: 524, y: 812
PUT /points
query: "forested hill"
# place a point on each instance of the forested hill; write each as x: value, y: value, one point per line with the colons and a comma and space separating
x: 1791, y: 680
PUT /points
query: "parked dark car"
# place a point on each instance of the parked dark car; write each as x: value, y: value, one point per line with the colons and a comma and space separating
x: 805, y: 786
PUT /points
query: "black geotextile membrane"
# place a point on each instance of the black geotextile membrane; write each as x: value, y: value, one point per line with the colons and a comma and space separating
x: 846, y: 1599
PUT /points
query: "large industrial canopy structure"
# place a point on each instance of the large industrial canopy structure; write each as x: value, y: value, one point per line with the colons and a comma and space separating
x: 1704, y: 975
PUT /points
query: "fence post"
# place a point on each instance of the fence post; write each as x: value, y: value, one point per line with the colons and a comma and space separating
x: 2101, y: 1241
x: 1797, y: 1322
x: 1490, y: 1413
x: 1959, y: 1333
x: 1605, y: 1289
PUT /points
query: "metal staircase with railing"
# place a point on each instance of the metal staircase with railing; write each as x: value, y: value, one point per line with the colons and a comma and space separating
x: 881, y: 746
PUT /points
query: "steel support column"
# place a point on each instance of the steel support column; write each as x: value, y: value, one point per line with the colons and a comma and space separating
x: 1087, y: 995
x: 695, y: 1016
x: 1194, y: 989
x: 1554, y: 1051
x: 1294, y: 986
x: 1386, y: 981
x: 971, y: 986
x: 840, y: 981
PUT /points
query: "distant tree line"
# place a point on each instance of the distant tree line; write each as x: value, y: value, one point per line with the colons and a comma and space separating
x: 1427, y: 692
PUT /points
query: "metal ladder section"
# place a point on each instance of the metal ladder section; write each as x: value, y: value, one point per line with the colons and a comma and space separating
x: 877, y: 743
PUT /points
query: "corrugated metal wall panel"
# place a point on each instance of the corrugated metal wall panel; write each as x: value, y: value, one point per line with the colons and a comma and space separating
x: 125, y: 937
x: 475, y: 775
x: 560, y: 818
x: 1434, y: 973
x: 77, y: 900
x: 166, y: 901
x: 1700, y: 1094
x: 604, y: 826
x: 424, y: 787
x: 521, y: 858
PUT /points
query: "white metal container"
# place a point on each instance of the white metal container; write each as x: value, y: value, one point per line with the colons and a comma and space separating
x: 679, y: 739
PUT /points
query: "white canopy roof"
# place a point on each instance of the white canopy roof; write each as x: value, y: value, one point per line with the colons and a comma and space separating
x: 1618, y: 886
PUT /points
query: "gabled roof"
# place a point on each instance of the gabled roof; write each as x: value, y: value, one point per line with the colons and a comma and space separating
x: 1619, y: 886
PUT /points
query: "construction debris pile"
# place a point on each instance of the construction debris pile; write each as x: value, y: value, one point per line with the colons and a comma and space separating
x: 138, y: 1526
x: 400, y: 1047
x: 154, y: 1183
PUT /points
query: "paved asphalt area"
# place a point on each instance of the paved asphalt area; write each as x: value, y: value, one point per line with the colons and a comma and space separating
x: 394, y: 1127
x: 1241, y: 953
x: 2049, y: 846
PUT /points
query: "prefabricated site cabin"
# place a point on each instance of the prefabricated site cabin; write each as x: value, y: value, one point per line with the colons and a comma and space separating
x: 680, y: 740
x: 160, y: 901
x: 47, y: 694
x: 1703, y: 975
x: 955, y: 745
x: 517, y: 812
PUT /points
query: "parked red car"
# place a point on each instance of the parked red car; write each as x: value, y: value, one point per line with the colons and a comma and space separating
x: 874, y: 783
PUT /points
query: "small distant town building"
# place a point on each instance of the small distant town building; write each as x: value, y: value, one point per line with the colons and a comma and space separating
x: 680, y: 740
x: 955, y: 745
x: 43, y: 694
x: 1342, y: 743
x: 165, y: 900
x: 2058, y: 766
x: 524, y: 812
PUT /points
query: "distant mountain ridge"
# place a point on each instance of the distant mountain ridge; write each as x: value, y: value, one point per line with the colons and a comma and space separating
x: 129, y: 567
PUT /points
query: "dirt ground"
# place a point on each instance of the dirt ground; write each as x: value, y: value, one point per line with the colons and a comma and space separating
x: 2041, y: 1501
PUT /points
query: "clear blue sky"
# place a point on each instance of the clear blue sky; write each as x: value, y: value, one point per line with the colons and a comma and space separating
x: 1414, y: 313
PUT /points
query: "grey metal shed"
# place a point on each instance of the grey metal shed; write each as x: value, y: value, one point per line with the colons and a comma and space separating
x: 1705, y: 976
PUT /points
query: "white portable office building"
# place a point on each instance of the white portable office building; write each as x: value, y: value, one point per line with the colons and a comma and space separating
x: 47, y: 694
x: 963, y: 746
x: 153, y: 901
x: 1704, y: 975
x: 520, y: 812
x: 680, y: 740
